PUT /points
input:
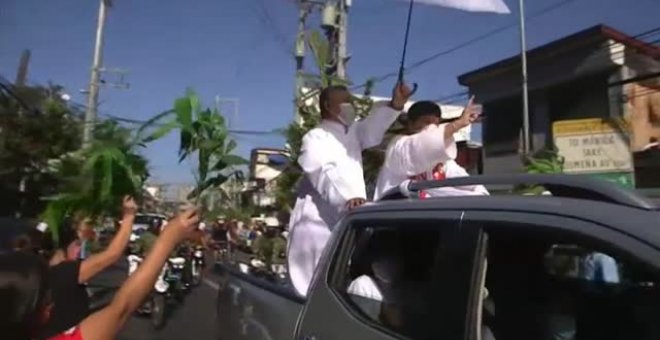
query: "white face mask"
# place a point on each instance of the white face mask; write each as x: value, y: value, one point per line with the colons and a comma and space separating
x: 347, y: 114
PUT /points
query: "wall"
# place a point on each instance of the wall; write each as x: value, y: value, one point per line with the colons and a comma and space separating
x: 641, y: 100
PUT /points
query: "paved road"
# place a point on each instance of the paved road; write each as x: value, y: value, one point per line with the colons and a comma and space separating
x: 194, y: 319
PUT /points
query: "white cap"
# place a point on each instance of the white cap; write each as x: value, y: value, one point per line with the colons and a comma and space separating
x: 271, y: 222
x: 42, y: 227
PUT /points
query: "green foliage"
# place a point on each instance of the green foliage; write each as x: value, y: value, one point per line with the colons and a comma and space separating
x: 546, y: 161
x: 93, y: 181
x: 202, y: 134
x: 29, y: 139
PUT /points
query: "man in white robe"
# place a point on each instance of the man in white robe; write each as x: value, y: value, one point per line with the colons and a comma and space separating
x: 426, y: 152
x: 331, y: 158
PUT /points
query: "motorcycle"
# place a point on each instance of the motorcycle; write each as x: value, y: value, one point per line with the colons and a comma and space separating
x: 220, y: 251
x: 197, y: 265
x: 168, y: 288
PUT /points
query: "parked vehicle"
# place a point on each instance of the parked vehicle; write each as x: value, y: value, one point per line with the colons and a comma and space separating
x: 583, y: 263
x: 143, y: 221
x: 168, y: 289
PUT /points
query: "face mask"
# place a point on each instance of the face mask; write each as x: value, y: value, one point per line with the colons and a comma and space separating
x: 347, y: 114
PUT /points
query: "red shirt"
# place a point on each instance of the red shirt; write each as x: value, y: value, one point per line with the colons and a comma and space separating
x: 71, y: 334
x: 438, y: 174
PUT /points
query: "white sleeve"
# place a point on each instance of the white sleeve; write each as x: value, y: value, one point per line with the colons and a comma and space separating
x: 414, y: 154
x: 372, y: 128
x: 323, y: 169
x: 453, y: 170
x: 365, y: 287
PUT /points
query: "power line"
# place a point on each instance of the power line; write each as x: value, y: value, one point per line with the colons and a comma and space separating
x: 265, y: 18
x: 466, y: 43
x: 233, y: 131
x: 455, y: 97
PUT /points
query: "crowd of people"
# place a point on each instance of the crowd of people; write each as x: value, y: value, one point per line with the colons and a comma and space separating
x: 43, y: 292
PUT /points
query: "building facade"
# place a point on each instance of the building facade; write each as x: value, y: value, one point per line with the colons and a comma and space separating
x: 596, y: 73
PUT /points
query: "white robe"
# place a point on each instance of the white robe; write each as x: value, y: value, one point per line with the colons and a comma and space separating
x: 331, y: 158
x: 415, y: 156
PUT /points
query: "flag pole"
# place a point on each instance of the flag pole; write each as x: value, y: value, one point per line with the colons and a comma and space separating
x: 405, y: 42
x: 525, y: 90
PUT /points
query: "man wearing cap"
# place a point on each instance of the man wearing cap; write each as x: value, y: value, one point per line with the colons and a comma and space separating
x: 427, y: 150
x: 333, y: 182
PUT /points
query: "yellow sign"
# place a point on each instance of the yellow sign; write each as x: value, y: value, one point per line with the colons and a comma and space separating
x: 592, y: 145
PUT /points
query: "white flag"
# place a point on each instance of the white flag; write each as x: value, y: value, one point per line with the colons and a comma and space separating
x: 495, y: 6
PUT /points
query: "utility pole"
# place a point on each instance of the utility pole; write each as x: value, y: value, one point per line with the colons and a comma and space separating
x: 304, y: 8
x: 93, y: 96
x: 21, y: 74
x: 342, y: 36
x: 21, y: 79
x: 335, y: 23
x: 525, y: 91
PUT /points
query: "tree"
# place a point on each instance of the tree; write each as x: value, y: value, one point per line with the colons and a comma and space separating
x: 37, y: 126
x: 204, y: 135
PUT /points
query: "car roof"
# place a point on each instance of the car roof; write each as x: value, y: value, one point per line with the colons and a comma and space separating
x: 570, y: 196
x: 641, y: 223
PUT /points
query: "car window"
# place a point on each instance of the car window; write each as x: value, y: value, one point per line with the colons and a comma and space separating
x: 390, y: 278
x: 565, y: 286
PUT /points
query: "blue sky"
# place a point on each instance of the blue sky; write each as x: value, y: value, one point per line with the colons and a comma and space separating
x: 241, y: 49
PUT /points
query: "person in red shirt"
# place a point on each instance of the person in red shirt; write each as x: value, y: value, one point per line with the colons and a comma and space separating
x: 68, y: 278
x: 26, y: 300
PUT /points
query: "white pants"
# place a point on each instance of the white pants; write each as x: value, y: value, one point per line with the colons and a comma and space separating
x: 307, y: 242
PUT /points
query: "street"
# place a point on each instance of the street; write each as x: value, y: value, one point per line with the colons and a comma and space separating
x: 193, y: 319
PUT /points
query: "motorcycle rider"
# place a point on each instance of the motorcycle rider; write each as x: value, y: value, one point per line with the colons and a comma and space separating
x: 269, y: 247
x: 148, y: 238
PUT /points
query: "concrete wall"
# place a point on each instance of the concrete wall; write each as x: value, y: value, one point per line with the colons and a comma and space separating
x: 568, y: 84
x: 544, y: 71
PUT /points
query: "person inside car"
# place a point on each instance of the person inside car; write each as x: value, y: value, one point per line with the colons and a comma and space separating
x: 28, y: 294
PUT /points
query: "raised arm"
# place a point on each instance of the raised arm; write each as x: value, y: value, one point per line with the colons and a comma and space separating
x: 106, y: 323
x: 323, y: 169
x: 372, y: 128
x: 417, y: 153
x: 98, y: 262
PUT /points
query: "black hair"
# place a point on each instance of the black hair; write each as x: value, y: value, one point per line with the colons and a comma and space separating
x: 23, y: 292
x: 423, y: 108
x: 325, y: 96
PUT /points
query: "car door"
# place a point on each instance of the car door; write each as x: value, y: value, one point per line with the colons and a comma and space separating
x: 549, y: 276
x: 392, y: 275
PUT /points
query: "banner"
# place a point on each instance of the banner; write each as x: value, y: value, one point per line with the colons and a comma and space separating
x: 493, y: 6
